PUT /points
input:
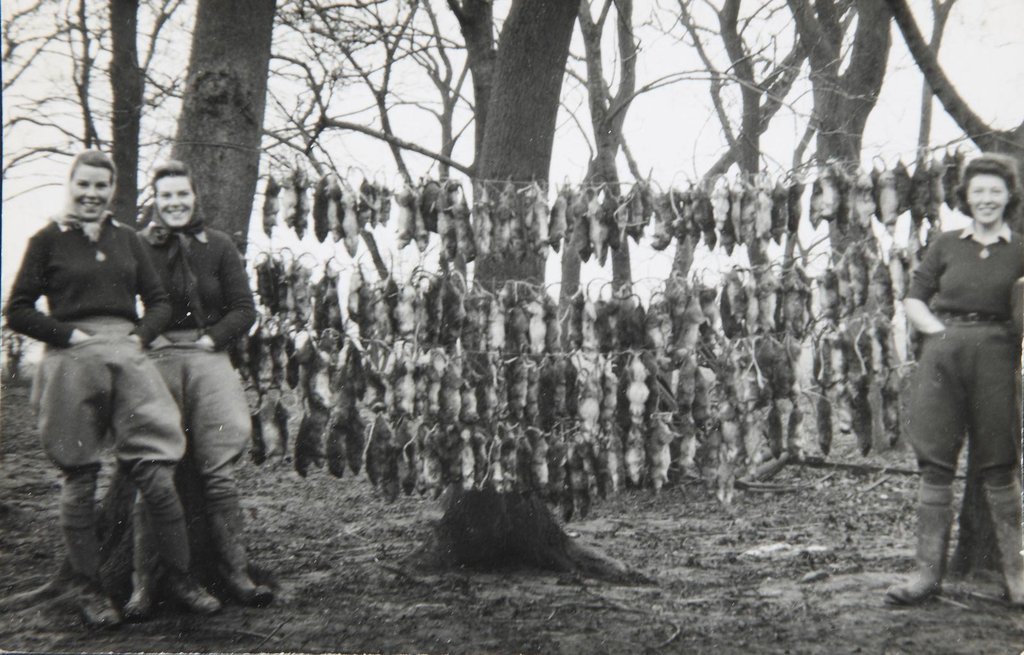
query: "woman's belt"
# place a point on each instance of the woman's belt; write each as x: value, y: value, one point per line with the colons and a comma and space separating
x: 972, y: 317
x: 186, y: 335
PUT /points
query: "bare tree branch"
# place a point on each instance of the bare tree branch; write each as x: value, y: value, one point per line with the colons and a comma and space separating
x: 397, y: 142
x: 977, y: 129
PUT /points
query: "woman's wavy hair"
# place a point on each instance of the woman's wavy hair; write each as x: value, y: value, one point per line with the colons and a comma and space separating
x: 95, y: 159
x: 173, y: 168
x: 1002, y: 166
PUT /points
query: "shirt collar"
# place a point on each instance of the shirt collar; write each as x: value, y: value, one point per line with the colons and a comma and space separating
x: 1004, y: 233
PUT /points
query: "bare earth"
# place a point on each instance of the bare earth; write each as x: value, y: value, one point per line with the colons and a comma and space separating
x: 796, y: 571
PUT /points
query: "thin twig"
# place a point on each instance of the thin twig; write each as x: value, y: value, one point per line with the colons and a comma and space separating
x: 826, y: 478
x: 769, y: 487
x: 272, y: 633
x: 877, y: 482
x: 817, y: 462
x: 675, y: 633
x: 950, y: 601
x: 402, y: 573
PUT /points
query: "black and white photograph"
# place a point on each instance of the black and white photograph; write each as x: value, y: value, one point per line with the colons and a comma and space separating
x: 496, y: 327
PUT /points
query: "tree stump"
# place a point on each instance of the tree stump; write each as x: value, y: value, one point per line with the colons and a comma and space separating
x: 486, y: 530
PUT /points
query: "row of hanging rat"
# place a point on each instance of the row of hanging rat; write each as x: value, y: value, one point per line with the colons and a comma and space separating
x: 433, y: 382
x: 591, y: 219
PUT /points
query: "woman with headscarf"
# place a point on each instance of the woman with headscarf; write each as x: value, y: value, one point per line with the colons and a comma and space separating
x: 211, y: 306
x: 94, y: 379
x: 961, y: 300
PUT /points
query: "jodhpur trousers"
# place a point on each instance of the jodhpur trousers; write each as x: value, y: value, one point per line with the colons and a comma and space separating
x: 965, y: 386
x: 215, y: 414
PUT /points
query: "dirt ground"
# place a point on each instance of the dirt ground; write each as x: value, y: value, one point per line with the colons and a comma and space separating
x: 800, y: 570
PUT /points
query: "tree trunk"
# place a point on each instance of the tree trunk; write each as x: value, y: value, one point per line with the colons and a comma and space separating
x: 482, y: 527
x: 527, y: 82
x: 940, y: 14
x: 126, y: 82
x: 476, y: 22
x: 843, y: 102
x: 221, y: 120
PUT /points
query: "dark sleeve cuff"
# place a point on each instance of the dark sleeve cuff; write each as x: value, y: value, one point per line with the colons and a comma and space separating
x: 62, y: 335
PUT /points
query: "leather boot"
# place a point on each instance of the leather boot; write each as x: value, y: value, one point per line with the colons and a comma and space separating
x: 190, y: 593
x: 1005, y: 505
x: 934, y: 516
x: 95, y: 606
x: 144, y: 563
x: 226, y: 534
x: 83, y: 550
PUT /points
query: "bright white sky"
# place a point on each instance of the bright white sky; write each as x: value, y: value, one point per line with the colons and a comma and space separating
x: 672, y: 132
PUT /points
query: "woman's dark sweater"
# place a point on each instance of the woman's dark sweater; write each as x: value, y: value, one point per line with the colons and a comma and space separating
x: 81, y: 279
x: 954, y: 276
x: 224, y: 291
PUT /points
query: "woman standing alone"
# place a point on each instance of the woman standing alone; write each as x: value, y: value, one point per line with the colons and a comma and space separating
x: 965, y: 377
x: 95, y: 380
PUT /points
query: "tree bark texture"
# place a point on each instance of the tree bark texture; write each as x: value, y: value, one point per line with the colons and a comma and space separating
x: 487, y: 530
x: 843, y: 101
x: 748, y: 143
x: 607, y: 115
x: 126, y: 81
x: 221, y: 122
x: 482, y: 527
x: 521, y: 118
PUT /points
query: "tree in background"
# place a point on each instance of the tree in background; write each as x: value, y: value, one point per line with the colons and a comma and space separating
x: 760, y: 100
x: 79, y: 45
x: 607, y: 116
x: 843, y: 99
x: 486, y: 528
x: 221, y: 120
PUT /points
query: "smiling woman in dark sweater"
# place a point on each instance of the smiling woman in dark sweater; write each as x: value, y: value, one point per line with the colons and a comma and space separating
x: 95, y: 381
x: 212, y: 306
x: 964, y: 383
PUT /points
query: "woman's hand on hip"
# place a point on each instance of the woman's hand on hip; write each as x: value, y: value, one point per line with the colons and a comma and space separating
x: 206, y: 343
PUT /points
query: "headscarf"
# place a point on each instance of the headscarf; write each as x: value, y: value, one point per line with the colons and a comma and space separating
x: 178, y: 242
x: 91, y: 229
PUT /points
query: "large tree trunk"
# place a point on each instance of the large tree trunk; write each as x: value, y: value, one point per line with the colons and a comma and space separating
x: 485, y: 528
x: 221, y: 120
x: 527, y: 82
x: 843, y: 101
x: 127, y: 85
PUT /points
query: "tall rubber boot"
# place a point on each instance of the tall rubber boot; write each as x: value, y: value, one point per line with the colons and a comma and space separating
x: 144, y: 565
x: 1005, y: 505
x: 226, y: 534
x: 934, y: 517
